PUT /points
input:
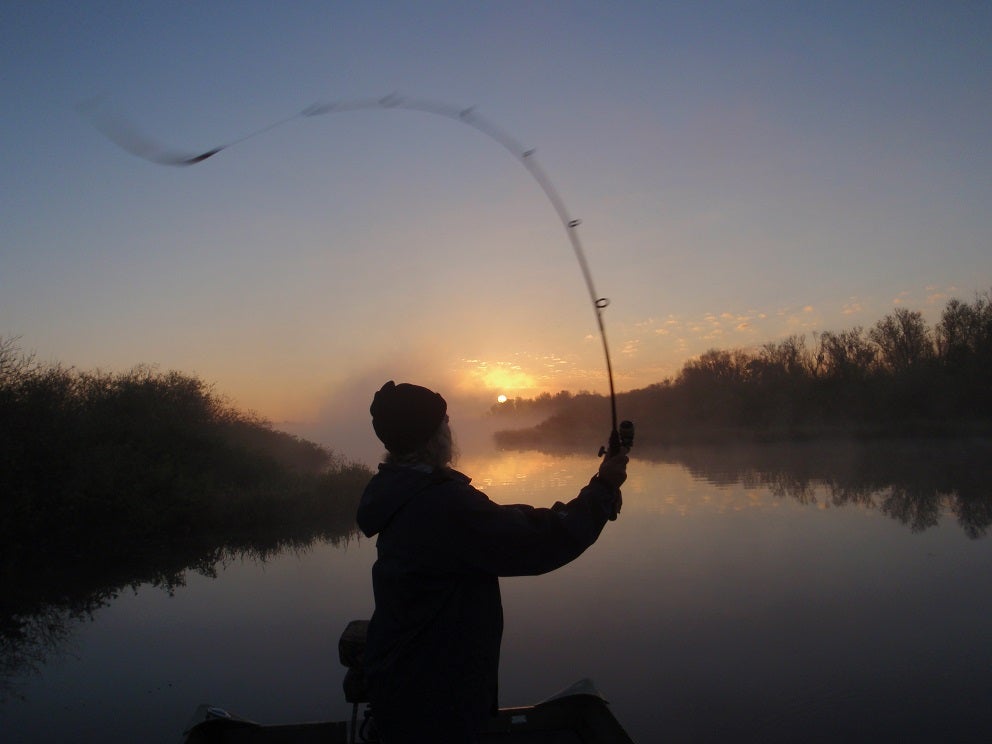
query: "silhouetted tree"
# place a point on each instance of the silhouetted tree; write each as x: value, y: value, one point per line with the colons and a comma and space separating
x: 106, y: 460
x: 900, y: 378
x: 847, y: 356
x: 964, y: 347
x: 965, y: 331
x: 903, y: 339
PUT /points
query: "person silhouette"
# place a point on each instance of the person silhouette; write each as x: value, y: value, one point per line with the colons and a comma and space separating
x: 432, y: 652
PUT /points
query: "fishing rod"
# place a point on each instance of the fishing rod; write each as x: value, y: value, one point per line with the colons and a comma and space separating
x: 129, y: 139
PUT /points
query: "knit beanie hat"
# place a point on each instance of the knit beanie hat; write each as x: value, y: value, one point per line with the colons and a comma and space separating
x: 405, y: 416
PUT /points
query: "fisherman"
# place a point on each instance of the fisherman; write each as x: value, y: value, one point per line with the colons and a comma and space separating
x: 432, y: 654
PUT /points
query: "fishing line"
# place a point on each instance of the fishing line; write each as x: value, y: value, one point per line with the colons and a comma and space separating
x: 115, y: 128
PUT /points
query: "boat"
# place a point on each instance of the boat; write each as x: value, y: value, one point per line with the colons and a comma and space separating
x: 577, y: 714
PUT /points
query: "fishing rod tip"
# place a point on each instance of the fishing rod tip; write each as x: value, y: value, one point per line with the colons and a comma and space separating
x: 203, y: 156
x: 317, y: 109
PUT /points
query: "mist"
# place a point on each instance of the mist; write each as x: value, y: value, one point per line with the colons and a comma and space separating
x: 342, y: 423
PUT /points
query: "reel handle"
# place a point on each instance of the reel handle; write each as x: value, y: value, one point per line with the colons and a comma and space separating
x: 621, y: 437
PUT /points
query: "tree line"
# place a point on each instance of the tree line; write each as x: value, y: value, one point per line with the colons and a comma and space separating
x: 102, y: 462
x: 900, y: 377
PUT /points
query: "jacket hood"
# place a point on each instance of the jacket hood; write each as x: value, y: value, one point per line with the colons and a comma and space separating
x: 391, y: 489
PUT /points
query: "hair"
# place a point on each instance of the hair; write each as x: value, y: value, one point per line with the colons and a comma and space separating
x: 438, y: 451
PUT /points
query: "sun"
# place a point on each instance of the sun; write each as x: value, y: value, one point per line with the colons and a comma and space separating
x: 501, y: 398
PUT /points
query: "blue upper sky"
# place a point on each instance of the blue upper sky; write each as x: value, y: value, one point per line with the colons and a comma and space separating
x: 743, y: 170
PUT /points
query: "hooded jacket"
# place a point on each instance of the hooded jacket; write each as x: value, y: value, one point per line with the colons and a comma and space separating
x: 434, y: 638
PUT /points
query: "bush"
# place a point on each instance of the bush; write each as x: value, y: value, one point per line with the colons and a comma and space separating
x: 91, y: 460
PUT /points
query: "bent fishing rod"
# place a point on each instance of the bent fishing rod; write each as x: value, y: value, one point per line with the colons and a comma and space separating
x: 126, y: 137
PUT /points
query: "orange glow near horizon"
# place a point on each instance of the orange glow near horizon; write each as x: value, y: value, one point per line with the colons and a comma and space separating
x: 508, y: 379
x: 301, y: 396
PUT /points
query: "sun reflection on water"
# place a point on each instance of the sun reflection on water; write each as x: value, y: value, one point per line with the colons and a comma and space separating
x: 540, y: 479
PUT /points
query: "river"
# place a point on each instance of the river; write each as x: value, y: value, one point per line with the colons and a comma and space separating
x: 803, y: 593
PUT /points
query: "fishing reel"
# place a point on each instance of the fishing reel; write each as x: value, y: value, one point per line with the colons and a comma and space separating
x: 620, y: 438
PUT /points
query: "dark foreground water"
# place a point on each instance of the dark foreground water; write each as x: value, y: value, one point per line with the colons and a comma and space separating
x: 805, y: 593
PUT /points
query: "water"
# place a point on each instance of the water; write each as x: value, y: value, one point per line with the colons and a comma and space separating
x: 807, y: 593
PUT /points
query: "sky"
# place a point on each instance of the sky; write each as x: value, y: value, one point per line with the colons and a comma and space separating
x: 743, y: 171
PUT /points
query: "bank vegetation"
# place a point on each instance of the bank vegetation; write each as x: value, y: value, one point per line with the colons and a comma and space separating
x: 898, y: 378
x: 110, y: 463
x: 110, y: 481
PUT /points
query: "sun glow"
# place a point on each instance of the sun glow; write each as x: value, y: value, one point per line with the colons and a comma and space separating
x: 507, y: 378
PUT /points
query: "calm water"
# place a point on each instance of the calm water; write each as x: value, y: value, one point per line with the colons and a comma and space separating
x: 779, y: 594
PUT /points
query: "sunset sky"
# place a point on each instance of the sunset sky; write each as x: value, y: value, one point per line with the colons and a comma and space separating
x: 743, y: 171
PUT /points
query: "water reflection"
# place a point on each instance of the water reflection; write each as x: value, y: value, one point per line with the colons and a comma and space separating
x: 723, y: 603
x: 914, y: 482
x: 46, y: 598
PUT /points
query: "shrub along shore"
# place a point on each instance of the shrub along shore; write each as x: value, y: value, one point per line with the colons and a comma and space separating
x: 92, y: 462
x: 109, y: 481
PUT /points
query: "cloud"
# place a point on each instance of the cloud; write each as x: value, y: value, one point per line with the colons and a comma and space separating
x: 631, y: 347
x: 851, y: 307
x: 937, y: 295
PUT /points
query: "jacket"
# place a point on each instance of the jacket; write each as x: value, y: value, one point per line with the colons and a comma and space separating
x: 434, y: 638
